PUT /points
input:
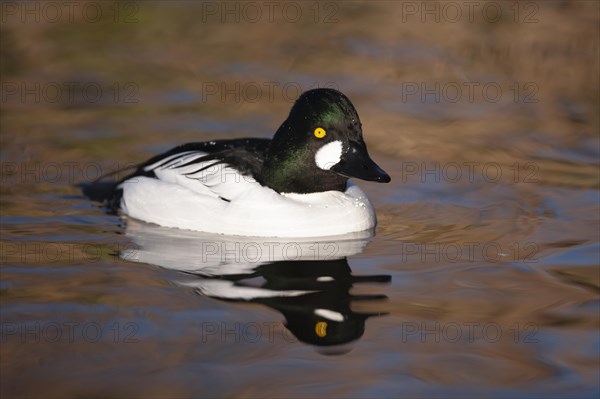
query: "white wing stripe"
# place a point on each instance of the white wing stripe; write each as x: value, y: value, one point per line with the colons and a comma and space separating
x: 175, y: 163
x: 210, y: 178
x: 167, y: 159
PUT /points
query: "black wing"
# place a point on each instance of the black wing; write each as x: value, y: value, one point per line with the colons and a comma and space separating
x: 244, y: 155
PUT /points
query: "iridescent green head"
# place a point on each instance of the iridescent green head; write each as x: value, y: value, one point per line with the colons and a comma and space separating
x: 319, y: 146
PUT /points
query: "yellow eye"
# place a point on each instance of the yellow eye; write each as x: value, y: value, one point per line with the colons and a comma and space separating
x: 319, y: 133
x: 321, y: 329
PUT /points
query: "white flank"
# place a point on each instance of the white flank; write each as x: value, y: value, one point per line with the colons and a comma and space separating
x: 254, y: 210
x: 329, y: 155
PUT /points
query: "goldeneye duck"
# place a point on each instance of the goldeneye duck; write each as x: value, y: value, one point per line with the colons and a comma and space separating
x: 293, y: 185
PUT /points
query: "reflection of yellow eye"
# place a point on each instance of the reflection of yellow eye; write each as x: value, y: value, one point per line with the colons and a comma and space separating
x: 321, y: 327
x: 319, y: 133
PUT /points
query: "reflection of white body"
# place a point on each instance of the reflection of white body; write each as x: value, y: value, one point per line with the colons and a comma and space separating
x: 219, y: 255
x: 187, y: 197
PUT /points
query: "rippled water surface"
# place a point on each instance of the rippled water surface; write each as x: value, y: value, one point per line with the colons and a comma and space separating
x: 482, y: 277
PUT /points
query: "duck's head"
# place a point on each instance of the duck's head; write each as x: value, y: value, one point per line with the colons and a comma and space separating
x: 319, y: 147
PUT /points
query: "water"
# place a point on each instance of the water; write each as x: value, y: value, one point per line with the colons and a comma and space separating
x: 482, y: 277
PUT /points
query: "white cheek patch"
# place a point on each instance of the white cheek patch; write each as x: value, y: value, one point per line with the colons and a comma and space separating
x: 329, y: 155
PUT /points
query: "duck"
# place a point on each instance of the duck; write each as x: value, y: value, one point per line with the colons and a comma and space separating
x: 296, y: 184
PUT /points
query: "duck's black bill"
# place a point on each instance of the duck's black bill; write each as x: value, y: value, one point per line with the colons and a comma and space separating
x: 358, y: 164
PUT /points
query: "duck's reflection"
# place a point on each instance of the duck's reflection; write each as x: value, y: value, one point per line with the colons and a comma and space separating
x: 308, y: 281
